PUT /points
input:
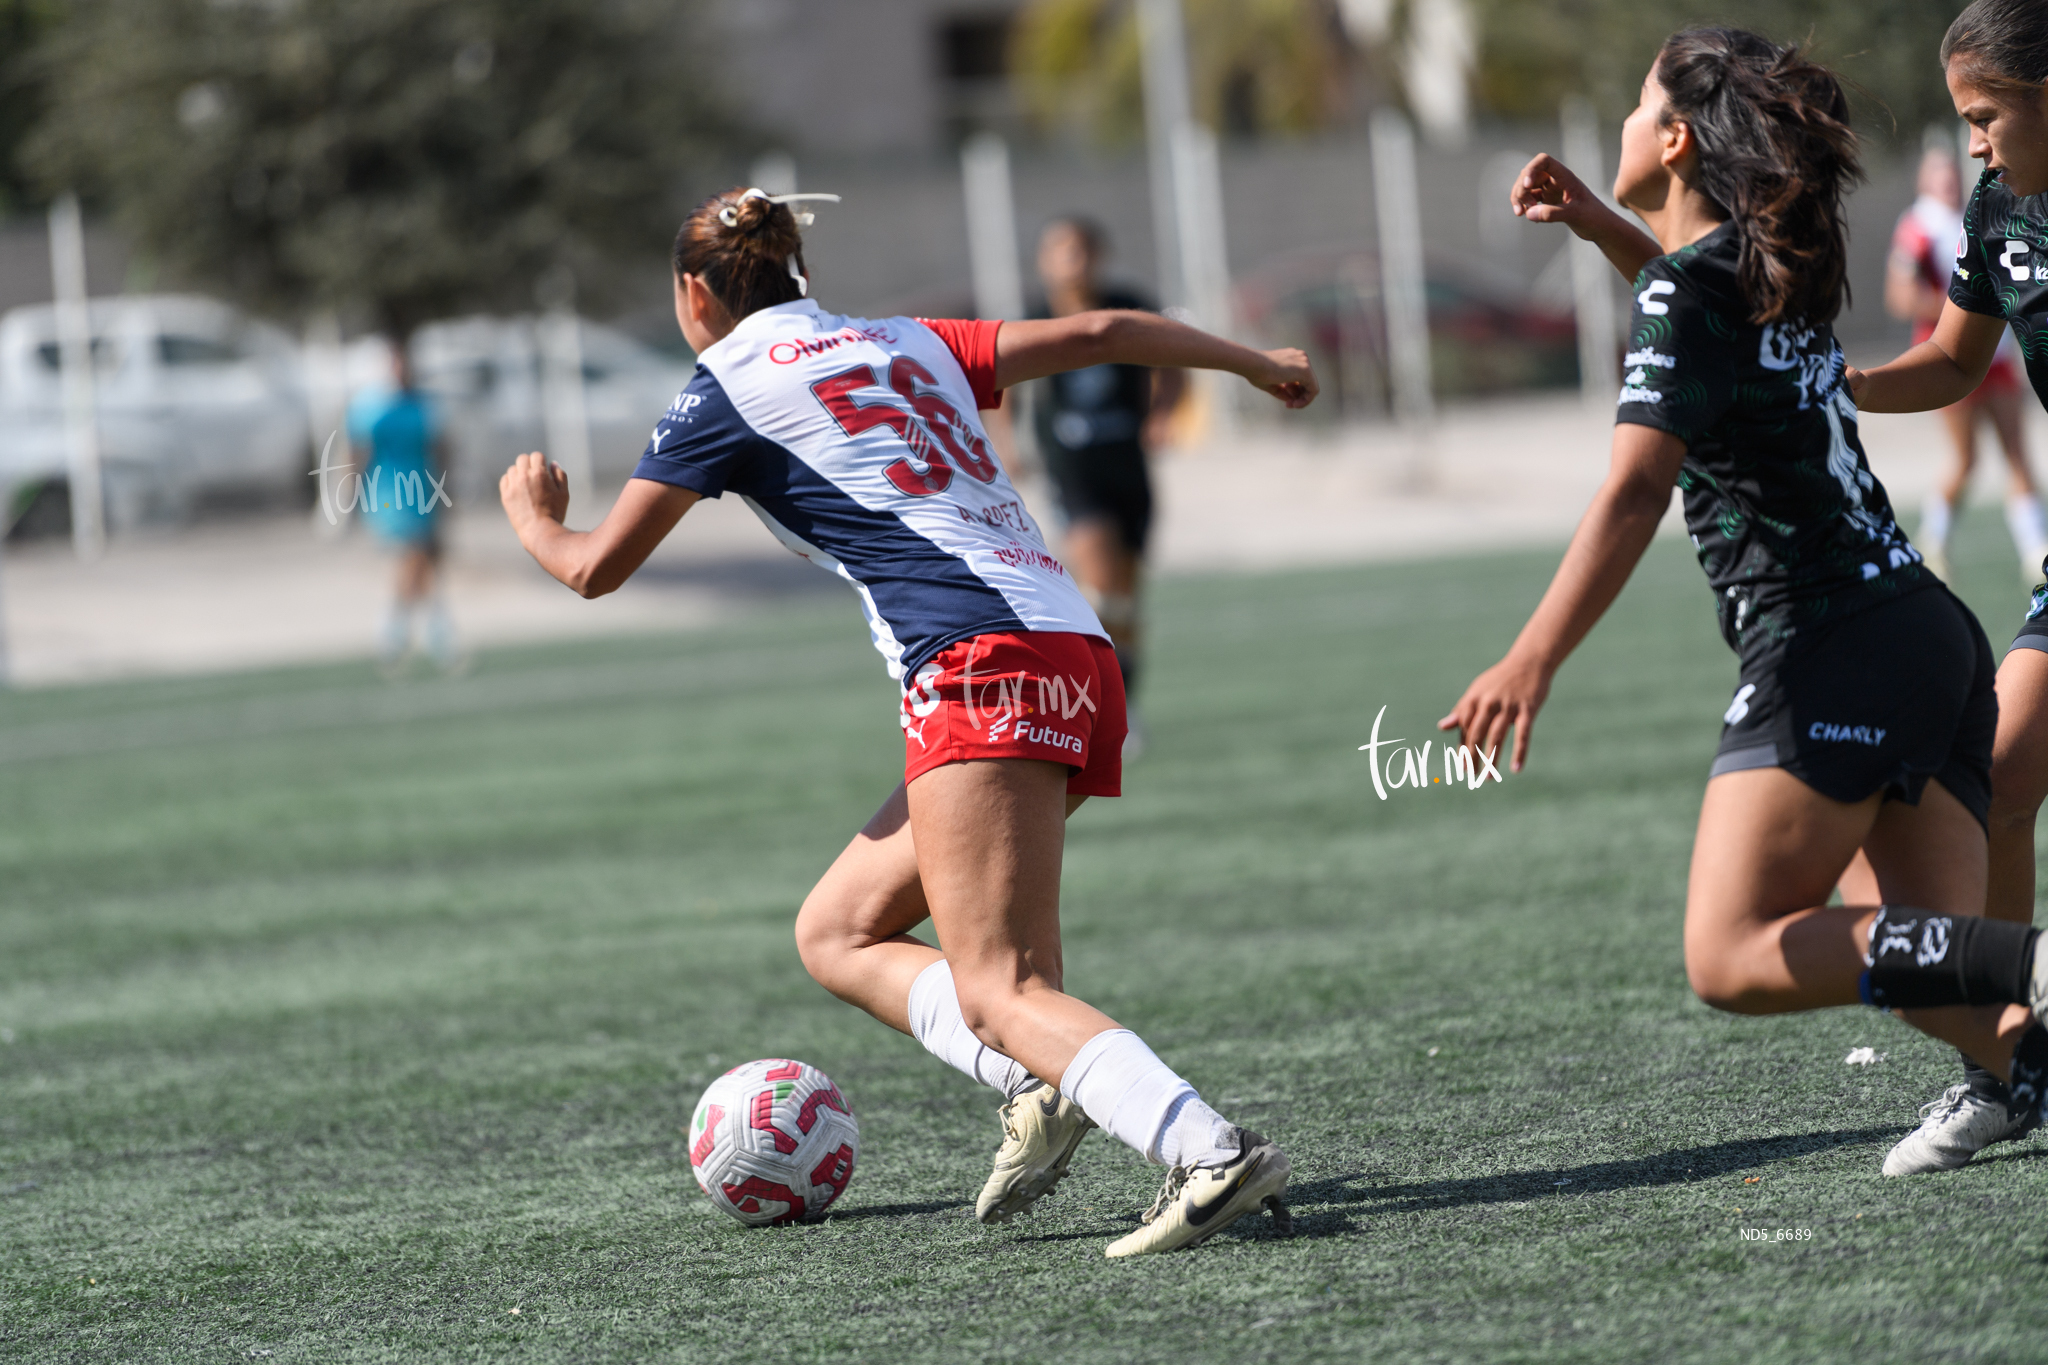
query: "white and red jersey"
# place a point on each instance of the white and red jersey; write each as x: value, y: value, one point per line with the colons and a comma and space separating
x: 856, y: 441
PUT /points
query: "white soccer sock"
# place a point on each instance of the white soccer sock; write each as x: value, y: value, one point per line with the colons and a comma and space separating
x: 2023, y: 517
x: 1935, y: 516
x: 935, y: 1021
x: 394, y: 637
x: 1139, y: 1100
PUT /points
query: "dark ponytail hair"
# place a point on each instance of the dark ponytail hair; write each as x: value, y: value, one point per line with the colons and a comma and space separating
x: 744, y: 246
x: 1776, y: 154
x: 2003, y: 42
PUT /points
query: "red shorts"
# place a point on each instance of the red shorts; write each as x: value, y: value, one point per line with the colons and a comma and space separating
x: 1049, y: 695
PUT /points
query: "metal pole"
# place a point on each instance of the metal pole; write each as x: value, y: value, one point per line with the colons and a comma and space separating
x: 324, y: 366
x: 1403, y: 290
x: 1205, y: 261
x: 992, y: 228
x: 564, y: 423
x: 1592, y: 290
x: 74, y: 359
x: 1162, y: 39
x: 774, y: 172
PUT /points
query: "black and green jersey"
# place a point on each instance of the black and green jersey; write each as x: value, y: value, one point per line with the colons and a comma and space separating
x: 2002, y: 268
x: 1791, y: 526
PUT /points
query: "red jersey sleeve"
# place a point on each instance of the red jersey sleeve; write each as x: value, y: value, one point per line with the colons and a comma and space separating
x: 973, y: 344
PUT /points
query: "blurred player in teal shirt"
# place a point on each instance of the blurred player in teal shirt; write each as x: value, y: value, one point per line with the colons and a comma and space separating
x: 399, y: 444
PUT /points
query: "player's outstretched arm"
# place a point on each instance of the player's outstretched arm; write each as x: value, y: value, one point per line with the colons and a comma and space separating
x: 1604, y: 550
x: 1946, y: 368
x: 1033, y: 350
x: 536, y: 497
x: 1547, y: 192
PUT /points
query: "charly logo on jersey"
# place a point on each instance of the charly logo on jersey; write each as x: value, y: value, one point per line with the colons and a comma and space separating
x: 1827, y: 732
x: 2023, y: 270
x: 1407, y: 765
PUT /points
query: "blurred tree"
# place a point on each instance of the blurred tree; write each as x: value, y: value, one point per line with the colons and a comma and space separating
x: 1256, y: 65
x: 22, y: 24
x: 397, y: 160
x: 1535, y: 52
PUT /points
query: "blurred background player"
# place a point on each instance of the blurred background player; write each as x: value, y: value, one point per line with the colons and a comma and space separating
x: 398, y: 442
x: 1916, y: 288
x: 1095, y: 429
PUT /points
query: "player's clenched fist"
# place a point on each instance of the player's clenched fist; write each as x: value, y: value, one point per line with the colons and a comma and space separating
x: 1548, y: 192
x: 1288, y: 377
x: 534, y: 489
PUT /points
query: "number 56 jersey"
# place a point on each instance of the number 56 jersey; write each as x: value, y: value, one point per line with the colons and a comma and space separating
x: 856, y: 442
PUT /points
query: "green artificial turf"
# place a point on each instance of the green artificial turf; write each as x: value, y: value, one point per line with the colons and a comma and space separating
x: 341, y: 1019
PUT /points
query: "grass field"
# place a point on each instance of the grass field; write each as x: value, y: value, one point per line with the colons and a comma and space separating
x: 348, y: 1022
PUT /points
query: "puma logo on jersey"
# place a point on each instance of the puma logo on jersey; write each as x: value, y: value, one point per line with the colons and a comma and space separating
x: 1739, y: 708
x: 1647, y: 300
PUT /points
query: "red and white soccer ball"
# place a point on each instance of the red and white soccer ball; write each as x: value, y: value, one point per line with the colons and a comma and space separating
x: 773, y: 1142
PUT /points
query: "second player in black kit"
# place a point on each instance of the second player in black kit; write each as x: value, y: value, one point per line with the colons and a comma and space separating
x: 1813, y: 580
x: 2002, y: 272
x: 1090, y: 426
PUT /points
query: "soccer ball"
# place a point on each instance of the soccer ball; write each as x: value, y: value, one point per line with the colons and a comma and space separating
x: 773, y: 1142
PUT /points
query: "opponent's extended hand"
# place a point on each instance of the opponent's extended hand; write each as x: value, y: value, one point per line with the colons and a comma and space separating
x: 1548, y: 192
x: 534, y: 489
x: 1855, y: 379
x: 1288, y: 376
x: 1509, y: 693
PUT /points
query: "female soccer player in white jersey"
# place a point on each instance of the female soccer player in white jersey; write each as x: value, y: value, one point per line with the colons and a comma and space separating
x: 856, y: 441
x: 1864, y: 714
x: 1995, y: 56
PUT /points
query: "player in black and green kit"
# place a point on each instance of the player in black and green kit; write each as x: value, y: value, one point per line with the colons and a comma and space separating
x: 1863, y: 715
x: 1996, y: 60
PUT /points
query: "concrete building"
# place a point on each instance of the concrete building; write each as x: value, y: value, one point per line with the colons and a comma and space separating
x: 868, y: 77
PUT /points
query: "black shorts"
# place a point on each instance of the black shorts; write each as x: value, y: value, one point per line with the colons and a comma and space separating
x: 1881, y: 701
x: 1105, y: 483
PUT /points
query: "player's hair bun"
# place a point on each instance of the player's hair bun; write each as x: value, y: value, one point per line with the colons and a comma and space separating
x: 746, y: 248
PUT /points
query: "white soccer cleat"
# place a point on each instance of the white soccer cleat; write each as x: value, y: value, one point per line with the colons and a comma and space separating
x: 1197, y: 1204
x: 1041, y: 1129
x: 1953, y: 1129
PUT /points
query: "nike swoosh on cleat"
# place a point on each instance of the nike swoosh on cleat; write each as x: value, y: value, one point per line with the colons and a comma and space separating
x: 1200, y: 1214
x: 1050, y: 1108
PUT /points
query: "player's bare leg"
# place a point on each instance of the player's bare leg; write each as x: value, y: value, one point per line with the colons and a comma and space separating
x: 990, y: 835
x: 1760, y: 940
x: 854, y: 933
x: 2019, y: 783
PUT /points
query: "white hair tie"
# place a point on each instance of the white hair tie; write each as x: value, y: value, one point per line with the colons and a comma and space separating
x: 729, y: 215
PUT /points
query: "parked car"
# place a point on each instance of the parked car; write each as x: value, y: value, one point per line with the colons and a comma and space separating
x: 487, y: 371
x: 1485, y: 335
x: 192, y: 398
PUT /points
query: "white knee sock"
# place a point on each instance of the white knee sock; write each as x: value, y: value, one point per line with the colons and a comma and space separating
x: 935, y: 1022
x: 1138, y: 1100
x: 2023, y: 517
x: 1935, y: 515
